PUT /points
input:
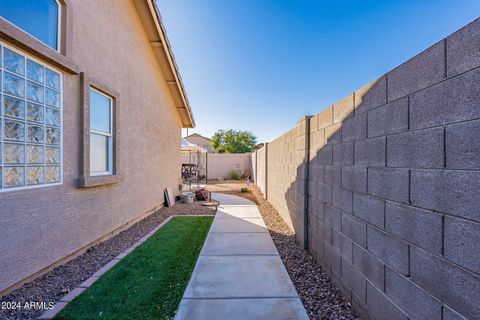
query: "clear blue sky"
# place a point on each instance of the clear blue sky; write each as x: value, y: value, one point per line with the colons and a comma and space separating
x: 260, y: 65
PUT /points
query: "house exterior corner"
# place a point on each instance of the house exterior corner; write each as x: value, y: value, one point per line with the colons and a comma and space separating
x: 105, y: 48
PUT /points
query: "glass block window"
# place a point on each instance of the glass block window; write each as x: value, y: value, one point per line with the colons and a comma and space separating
x: 30, y: 122
x: 101, y: 146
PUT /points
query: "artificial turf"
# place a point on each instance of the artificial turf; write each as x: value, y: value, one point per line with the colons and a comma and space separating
x: 150, y: 281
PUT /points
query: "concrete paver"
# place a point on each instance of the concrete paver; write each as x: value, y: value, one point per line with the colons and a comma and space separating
x: 241, y: 243
x: 233, y: 309
x: 229, y: 200
x: 238, y: 212
x: 233, y: 224
x: 239, y: 274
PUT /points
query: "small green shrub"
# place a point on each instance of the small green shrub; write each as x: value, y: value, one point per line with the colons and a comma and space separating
x: 234, y: 175
x: 244, y: 189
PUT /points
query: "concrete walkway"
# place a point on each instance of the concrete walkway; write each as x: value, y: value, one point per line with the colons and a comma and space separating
x: 239, y: 274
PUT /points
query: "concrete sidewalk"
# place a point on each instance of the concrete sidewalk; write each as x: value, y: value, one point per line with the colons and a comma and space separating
x: 239, y: 274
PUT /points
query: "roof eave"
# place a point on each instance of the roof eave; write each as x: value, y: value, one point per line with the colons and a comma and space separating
x: 152, y: 21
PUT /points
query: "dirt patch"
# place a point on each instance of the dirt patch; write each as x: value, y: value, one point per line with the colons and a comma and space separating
x: 57, y: 283
x: 321, y: 298
x: 232, y: 187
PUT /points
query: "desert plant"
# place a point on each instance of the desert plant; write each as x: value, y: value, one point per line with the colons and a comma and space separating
x: 244, y: 190
x: 234, y: 175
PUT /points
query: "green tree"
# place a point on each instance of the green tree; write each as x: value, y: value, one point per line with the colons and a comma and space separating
x: 232, y: 141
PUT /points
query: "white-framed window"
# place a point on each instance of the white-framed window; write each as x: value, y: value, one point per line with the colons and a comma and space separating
x: 101, y: 133
x: 31, y: 122
x: 39, y: 18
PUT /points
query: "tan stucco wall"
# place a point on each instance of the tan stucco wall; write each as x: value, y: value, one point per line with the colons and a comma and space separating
x: 41, y: 226
x: 219, y: 165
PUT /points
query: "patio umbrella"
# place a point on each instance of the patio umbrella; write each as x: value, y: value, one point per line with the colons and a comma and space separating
x: 189, y: 147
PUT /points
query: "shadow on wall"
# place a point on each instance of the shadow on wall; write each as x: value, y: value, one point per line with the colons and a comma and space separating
x: 318, y: 200
x: 386, y: 183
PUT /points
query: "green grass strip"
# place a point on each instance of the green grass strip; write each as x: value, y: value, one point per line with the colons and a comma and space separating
x: 149, y: 282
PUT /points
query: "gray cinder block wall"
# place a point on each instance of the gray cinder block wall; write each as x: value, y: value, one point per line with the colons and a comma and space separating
x: 393, y: 210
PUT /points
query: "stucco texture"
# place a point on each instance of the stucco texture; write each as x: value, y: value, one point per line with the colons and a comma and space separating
x: 41, y: 226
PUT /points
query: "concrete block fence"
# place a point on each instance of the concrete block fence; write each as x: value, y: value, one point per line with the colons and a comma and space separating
x: 383, y: 187
x: 260, y: 169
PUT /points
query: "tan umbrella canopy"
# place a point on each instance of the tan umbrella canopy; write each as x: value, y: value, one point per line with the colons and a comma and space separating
x: 189, y: 147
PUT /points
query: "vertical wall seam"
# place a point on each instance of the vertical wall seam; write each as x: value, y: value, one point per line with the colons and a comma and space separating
x: 384, y: 214
x: 333, y: 120
x: 256, y: 166
x: 386, y: 153
x: 408, y: 113
x: 366, y: 181
x: 366, y: 286
x: 409, y: 186
x: 445, y: 64
x: 305, y: 181
x: 354, y: 106
x: 341, y: 223
x: 266, y: 171
x: 445, y: 147
x: 386, y: 87
x: 443, y: 235
x: 366, y: 124
x: 408, y: 259
x: 83, y: 155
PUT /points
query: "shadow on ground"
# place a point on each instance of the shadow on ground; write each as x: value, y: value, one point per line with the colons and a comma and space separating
x: 322, y: 300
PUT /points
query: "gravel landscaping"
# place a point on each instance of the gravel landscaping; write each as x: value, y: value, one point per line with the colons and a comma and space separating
x: 321, y: 298
x: 55, y: 284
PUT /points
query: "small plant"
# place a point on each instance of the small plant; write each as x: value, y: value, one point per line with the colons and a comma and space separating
x: 234, y: 175
x: 244, y: 190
